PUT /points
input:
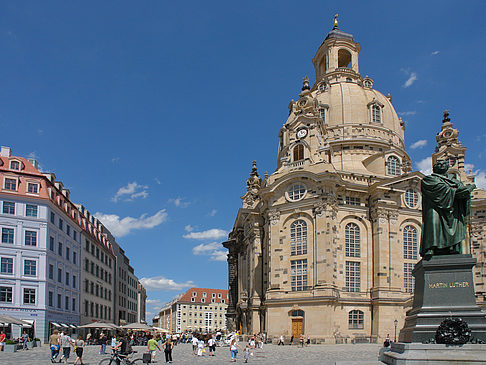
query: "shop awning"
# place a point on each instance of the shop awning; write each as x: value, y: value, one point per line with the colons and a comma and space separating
x: 55, y: 324
x: 64, y: 325
x: 72, y: 326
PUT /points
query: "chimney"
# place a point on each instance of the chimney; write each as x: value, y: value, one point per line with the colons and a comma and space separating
x: 5, y: 151
x: 34, y: 163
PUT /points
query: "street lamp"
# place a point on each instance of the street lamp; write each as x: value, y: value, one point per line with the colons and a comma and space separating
x: 396, y: 323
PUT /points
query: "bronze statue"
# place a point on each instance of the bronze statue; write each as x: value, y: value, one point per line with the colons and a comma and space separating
x: 446, y: 204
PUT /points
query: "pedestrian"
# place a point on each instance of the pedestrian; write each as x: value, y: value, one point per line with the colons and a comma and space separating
x: 195, y: 342
x: 113, y: 342
x: 234, y: 350
x: 387, y: 341
x: 246, y: 353
x: 3, y: 338
x: 79, y: 347
x: 212, y: 346
x: 291, y: 340
x: 103, y: 342
x: 281, y: 340
x: 301, y: 340
x: 25, y: 339
x: 65, y: 342
x: 200, y: 347
x: 252, y: 342
x: 308, y: 340
x: 54, y: 344
x: 152, y: 347
x: 168, y: 346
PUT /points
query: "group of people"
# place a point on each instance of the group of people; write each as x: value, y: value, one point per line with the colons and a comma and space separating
x: 63, y: 340
x: 303, y: 340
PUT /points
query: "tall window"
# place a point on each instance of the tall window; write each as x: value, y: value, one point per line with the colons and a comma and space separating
x: 356, y: 320
x: 7, y: 235
x: 408, y: 279
x: 6, y: 294
x: 30, y: 267
x: 298, y: 152
x: 59, y: 249
x: 322, y: 114
x: 10, y: 184
x: 298, y: 238
x: 298, y: 274
x: 393, y: 166
x: 51, y: 243
x: 29, y: 296
x: 30, y: 238
x: 8, y: 208
x: 352, y: 240
x: 410, y: 243
x: 352, y: 276
x: 51, y: 271
x: 6, y: 265
x: 376, y: 114
x: 411, y: 198
x: 31, y: 210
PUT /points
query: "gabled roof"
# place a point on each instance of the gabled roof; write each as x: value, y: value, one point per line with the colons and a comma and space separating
x: 199, y: 295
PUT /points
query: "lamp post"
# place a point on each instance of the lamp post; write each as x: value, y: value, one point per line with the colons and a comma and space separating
x: 396, y: 323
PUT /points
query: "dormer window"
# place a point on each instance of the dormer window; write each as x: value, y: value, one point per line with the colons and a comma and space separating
x: 33, y: 188
x: 393, y: 166
x: 298, y: 152
x: 14, y: 165
x: 10, y: 184
x: 376, y: 114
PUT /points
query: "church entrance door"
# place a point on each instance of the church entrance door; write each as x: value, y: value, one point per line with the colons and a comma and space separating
x: 297, y: 327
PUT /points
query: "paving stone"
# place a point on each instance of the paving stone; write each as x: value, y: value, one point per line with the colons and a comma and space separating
x: 182, y: 354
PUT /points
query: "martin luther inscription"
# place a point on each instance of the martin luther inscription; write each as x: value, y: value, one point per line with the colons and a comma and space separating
x: 456, y: 284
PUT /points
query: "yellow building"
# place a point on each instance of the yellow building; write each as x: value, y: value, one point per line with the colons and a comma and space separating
x: 326, y: 244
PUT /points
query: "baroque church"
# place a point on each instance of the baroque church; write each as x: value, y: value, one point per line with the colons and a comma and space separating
x: 325, y: 245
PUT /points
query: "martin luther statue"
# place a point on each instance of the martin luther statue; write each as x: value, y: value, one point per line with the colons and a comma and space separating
x: 446, y: 204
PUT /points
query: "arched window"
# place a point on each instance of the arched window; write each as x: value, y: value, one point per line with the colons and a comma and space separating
x: 411, y: 198
x: 410, y: 243
x: 298, y: 152
x: 375, y: 114
x: 298, y: 238
x: 356, y: 320
x: 323, y: 65
x: 393, y: 166
x: 344, y: 58
x: 352, y: 240
x: 297, y: 313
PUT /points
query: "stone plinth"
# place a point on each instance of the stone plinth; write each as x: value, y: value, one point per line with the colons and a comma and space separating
x: 432, y: 354
x: 444, y: 288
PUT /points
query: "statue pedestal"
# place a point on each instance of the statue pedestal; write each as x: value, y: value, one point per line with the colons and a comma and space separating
x: 444, y: 288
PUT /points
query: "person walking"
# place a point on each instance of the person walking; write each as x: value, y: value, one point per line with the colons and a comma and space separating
x: 103, y: 342
x: 152, y: 347
x: 212, y: 346
x: 234, y: 350
x: 291, y: 340
x: 113, y: 341
x: 200, y: 347
x: 65, y: 342
x: 246, y: 353
x: 168, y: 346
x: 307, y: 341
x: 301, y: 340
x: 195, y: 342
x: 281, y: 340
x: 79, y: 350
x: 25, y: 339
x: 54, y: 344
x: 3, y: 338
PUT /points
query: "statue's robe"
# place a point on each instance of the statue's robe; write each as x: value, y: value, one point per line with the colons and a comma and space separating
x: 445, y: 207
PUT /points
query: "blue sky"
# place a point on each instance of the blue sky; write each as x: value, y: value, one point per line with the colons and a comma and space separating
x: 151, y: 112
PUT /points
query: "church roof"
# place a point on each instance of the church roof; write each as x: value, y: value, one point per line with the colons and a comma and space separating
x: 337, y: 34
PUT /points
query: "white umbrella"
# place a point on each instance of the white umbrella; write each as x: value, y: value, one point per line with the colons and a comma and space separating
x: 12, y: 320
x: 137, y: 326
x: 109, y: 326
x: 161, y: 329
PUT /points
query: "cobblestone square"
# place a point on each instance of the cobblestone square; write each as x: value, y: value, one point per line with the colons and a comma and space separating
x: 182, y: 354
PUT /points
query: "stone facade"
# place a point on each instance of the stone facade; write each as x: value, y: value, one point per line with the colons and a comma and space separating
x: 325, y: 245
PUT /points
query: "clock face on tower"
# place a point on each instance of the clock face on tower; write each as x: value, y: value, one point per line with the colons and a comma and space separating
x: 301, y: 133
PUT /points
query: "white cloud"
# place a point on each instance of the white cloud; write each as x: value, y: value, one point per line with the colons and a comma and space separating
x: 115, y: 159
x: 411, y: 79
x: 130, y: 192
x: 179, y: 202
x: 157, y: 181
x: 189, y: 228
x: 213, y: 212
x: 162, y: 283
x: 411, y: 112
x: 210, y: 234
x: 425, y: 166
x: 419, y: 144
x: 153, y: 301
x: 214, y: 250
x: 435, y: 53
x: 122, y: 227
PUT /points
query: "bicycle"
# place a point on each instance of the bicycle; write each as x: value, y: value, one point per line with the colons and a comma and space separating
x: 117, y: 358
